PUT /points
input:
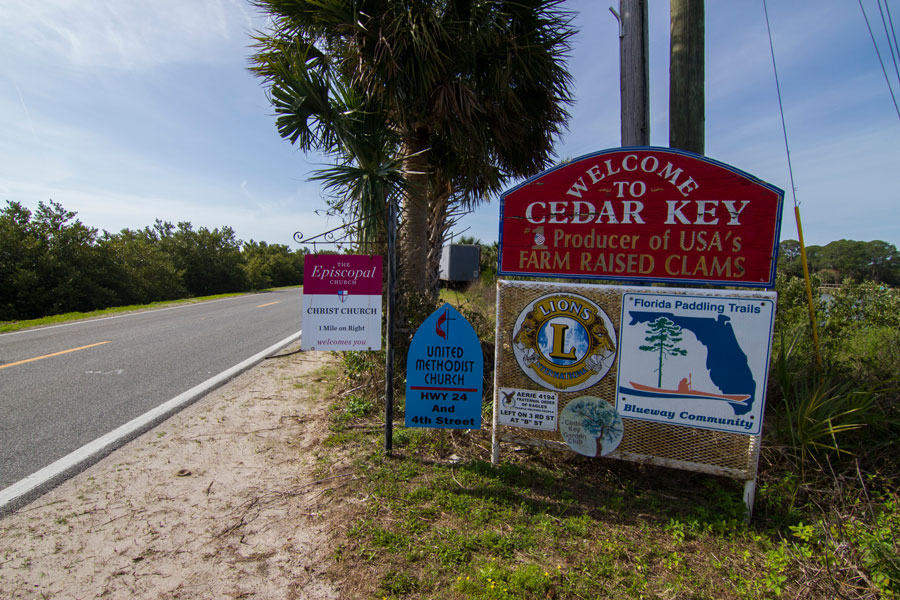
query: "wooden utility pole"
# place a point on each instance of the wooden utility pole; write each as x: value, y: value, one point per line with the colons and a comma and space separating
x: 687, y: 115
x: 634, y: 72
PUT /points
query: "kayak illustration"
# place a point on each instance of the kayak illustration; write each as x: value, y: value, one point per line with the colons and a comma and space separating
x: 684, y: 390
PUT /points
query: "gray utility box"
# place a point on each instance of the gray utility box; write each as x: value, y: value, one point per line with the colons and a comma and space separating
x: 460, y: 262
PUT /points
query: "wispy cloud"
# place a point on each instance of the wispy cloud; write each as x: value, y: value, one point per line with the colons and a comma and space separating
x: 124, y: 35
x: 25, y: 111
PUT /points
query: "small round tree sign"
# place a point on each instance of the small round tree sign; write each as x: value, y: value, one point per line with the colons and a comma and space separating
x: 591, y: 426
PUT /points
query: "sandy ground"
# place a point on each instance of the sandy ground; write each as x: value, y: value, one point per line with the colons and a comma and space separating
x: 226, y: 499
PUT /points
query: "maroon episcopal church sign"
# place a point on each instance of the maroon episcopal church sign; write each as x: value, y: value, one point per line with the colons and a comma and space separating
x: 643, y: 214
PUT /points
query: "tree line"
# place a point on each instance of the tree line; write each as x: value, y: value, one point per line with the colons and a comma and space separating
x: 52, y: 263
x: 843, y: 260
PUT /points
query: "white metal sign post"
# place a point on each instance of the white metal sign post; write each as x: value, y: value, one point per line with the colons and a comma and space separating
x: 668, y: 376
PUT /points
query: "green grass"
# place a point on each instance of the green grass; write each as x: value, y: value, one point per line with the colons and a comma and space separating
x: 552, y: 524
x: 557, y: 526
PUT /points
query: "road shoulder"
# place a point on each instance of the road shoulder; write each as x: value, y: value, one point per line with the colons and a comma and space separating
x: 225, y: 499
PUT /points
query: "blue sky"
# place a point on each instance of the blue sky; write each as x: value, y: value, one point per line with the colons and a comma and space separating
x: 128, y: 111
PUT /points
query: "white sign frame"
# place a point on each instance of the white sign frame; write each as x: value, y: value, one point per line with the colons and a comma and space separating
x: 714, y: 378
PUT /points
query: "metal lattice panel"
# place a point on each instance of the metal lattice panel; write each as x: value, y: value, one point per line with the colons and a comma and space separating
x: 716, y: 452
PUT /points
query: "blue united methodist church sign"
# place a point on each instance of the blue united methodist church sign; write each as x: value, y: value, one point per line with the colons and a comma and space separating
x: 444, y: 372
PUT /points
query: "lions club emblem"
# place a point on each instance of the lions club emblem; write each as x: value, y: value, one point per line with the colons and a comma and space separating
x: 564, y: 342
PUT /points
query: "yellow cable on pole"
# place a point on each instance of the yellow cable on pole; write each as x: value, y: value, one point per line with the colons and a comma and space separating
x: 809, y: 296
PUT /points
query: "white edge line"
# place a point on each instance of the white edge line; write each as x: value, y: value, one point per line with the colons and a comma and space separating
x: 90, y: 449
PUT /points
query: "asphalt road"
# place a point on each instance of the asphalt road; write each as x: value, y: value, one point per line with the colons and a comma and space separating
x: 64, y: 386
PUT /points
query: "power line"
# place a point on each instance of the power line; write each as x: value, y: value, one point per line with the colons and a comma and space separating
x: 887, y: 8
x: 880, y: 60
x: 809, y: 298
x: 780, y: 106
x: 887, y: 34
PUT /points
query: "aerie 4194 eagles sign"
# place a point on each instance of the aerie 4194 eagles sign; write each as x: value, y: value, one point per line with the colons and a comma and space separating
x: 638, y: 214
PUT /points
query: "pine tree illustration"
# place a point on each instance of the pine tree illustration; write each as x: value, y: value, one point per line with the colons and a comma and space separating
x: 663, y: 337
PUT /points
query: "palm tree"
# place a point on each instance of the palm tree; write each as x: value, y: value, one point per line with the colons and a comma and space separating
x: 316, y: 110
x: 473, y: 92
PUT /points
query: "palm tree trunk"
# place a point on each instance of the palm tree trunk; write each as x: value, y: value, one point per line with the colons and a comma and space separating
x: 414, y: 233
x: 437, y: 231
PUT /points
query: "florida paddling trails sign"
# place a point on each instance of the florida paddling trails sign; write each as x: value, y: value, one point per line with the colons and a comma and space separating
x: 696, y: 360
x: 646, y: 213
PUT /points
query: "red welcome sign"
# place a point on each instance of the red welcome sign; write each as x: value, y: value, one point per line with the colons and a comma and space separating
x: 643, y: 214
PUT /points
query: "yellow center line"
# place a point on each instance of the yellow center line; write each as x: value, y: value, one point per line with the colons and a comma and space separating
x: 269, y: 304
x: 28, y: 360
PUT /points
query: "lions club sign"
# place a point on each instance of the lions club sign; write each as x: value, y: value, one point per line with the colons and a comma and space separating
x: 564, y: 342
